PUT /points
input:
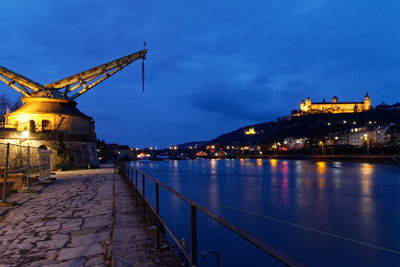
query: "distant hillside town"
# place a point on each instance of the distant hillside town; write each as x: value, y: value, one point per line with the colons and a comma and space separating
x: 323, y: 128
x: 317, y: 128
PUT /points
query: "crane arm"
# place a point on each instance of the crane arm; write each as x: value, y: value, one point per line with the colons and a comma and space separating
x: 19, y: 82
x: 88, y: 79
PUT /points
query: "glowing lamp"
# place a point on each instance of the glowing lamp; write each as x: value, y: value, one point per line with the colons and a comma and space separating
x: 25, y: 134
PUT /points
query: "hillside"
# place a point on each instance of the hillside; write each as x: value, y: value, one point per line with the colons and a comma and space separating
x: 313, y: 125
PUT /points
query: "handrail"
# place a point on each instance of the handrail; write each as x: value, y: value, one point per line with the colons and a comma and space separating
x: 192, y: 257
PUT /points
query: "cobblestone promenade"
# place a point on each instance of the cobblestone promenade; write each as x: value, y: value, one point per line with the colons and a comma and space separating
x: 84, y: 218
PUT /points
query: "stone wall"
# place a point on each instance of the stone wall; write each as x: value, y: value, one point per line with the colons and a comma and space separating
x: 66, y: 153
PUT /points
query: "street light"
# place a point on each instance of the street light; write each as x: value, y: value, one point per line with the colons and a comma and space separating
x: 25, y: 134
x: 323, y: 148
x: 365, y: 138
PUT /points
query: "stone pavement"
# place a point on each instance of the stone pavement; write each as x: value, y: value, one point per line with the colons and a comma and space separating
x: 83, y: 218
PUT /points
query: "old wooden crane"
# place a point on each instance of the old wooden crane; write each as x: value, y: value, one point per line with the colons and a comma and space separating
x: 50, y: 116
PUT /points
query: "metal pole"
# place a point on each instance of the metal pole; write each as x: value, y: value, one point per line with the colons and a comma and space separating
x: 193, y: 235
x: 158, y: 212
x: 28, y: 166
x: 218, y: 259
x: 137, y: 187
x: 144, y: 196
x: 6, y: 173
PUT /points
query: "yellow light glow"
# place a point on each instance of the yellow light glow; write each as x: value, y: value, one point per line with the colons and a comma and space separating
x: 321, y: 167
x: 250, y: 131
x: 273, y: 162
x: 321, y: 164
x: 25, y: 134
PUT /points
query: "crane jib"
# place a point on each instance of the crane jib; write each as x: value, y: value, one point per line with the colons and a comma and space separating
x: 80, y: 82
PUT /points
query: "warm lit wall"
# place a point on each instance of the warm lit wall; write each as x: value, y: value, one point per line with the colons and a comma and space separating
x: 49, y: 114
x: 335, y: 107
x: 64, y: 123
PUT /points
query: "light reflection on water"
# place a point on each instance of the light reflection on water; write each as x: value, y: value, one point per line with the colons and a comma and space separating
x: 357, y: 201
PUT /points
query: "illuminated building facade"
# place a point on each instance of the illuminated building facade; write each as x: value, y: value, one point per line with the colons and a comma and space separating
x: 250, y: 131
x: 307, y: 106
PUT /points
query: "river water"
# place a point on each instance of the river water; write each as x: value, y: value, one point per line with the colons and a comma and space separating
x: 320, y: 213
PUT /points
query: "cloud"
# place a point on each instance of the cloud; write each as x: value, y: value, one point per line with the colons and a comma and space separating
x: 216, y: 63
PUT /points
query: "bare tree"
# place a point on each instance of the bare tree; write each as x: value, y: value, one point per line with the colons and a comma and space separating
x: 5, y: 103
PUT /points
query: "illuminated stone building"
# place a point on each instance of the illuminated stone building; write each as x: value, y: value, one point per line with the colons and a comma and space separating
x: 53, y: 123
x: 335, y: 106
x: 49, y: 118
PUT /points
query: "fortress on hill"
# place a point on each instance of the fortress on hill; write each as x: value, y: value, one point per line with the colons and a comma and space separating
x: 307, y: 107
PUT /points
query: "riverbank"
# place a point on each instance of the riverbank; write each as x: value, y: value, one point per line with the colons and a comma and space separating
x: 385, y: 159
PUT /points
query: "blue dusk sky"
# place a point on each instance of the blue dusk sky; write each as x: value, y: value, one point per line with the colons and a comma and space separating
x: 213, y: 66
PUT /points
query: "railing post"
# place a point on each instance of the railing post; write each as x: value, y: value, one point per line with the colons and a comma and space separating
x: 4, y: 198
x: 193, y: 235
x: 158, y: 213
x: 144, y: 196
x: 28, y: 166
x: 137, y: 188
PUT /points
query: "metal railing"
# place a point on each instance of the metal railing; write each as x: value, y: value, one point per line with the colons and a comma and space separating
x: 21, y: 166
x: 133, y: 175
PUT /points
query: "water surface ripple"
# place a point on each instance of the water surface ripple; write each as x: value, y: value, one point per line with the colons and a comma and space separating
x: 322, y: 214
